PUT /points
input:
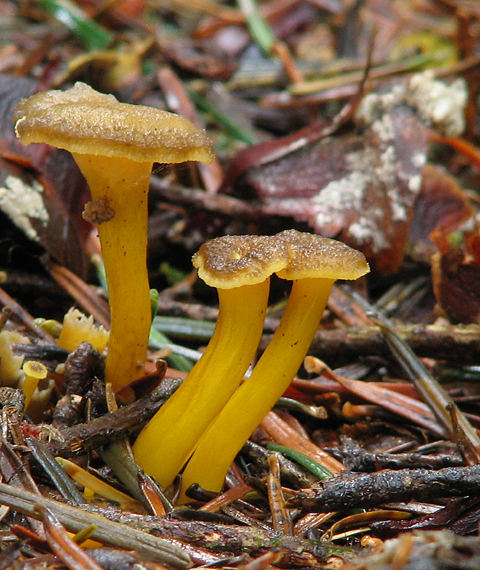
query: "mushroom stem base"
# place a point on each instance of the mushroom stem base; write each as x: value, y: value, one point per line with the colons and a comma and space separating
x: 165, y: 444
x: 271, y: 376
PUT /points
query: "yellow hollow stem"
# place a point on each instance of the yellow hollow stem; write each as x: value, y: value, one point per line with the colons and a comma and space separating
x: 271, y: 376
x: 124, y: 249
x: 165, y: 444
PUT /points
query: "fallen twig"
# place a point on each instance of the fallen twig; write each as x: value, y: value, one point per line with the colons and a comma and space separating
x: 350, y: 490
x: 82, y: 438
x: 75, y: 519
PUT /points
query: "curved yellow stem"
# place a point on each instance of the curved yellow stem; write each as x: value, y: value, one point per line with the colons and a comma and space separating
x: 124, y: 249
x: 165, y: 444
x: 225, y: 436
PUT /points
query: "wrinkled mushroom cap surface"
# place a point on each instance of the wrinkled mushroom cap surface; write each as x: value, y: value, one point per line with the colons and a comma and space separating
x: 83, y: 121
x: 232, y: 261
x: 311, y: 255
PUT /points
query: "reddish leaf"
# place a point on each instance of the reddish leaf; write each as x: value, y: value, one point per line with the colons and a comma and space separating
x: 441, y: 203
x: 48, y: 206
x: 456, y: 278
x: 360, y: 188
x: 459, y: 515
x: 401, y: 404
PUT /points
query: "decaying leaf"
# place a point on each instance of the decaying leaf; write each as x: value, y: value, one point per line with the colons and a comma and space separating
x: 456, y: 277
x: 362, y: 187
x: 358, y: 188
x: 46, y: 203
x: 441, y: 203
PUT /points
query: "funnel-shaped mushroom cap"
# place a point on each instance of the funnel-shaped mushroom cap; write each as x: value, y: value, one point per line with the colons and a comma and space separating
x: 311, y: 255
x: 84, y: 121
x: 232, y: 261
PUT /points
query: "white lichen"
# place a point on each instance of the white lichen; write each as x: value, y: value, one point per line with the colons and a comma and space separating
x: 23, y: 202
x: 438, y: 104
x: 346, y: 193
x: 367, y: 230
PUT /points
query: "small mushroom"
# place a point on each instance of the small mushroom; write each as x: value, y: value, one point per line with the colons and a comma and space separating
x: 115, y: 145
x: 240, y: 268
x: 78, y: 328
x: 34, y: 372
x: 313, y: 263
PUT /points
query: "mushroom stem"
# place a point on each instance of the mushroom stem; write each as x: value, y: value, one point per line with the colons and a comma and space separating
x: 165, y: 444
x: 271, y: 376
x: 124, y: 248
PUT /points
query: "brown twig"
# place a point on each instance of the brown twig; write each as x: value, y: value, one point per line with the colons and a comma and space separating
x: 83, y: 294
x: 24, y: 317
x: 454, y: 343
x: 83, y: 438
x: 75, y: 519
x: 351, y: 490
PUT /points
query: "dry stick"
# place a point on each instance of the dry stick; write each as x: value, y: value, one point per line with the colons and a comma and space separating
x: 25, y: 318
x: 75, y: 520
x: 452, y: 343
x: 218, y: 203
x: 455, y: 343
x: 82, y: 438
x: 83, y: 294
x: 356, y: 458
x: 350, y: 490
x: 191, y: 536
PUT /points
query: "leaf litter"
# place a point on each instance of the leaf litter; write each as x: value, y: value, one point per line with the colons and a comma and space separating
x: 349, y: 139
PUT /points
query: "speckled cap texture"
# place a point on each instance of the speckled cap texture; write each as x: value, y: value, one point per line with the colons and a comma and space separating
x: 85, y: 121
x: 232, y: 261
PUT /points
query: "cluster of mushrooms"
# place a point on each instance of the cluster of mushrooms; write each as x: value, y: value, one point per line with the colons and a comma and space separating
x: 205, y: 423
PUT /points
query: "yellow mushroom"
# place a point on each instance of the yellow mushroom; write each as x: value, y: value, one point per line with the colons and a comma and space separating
x: 115, y: 145
x: 240, y: 268
x: 313, y: 264
x: 10, y: 363
x: 78, y: 328
x: 34, y: 372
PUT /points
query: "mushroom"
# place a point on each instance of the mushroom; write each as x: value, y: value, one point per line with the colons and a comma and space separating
x: 78, y: 328
x: 314, y: 263
x: 34, y: 372
x: 240, y: 268
x: 115, y: 145
x: 37, y: 388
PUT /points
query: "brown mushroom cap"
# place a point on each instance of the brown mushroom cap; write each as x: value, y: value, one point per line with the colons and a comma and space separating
x: 233, y: 261
x: 84, y: 121
x: 311, y: 255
